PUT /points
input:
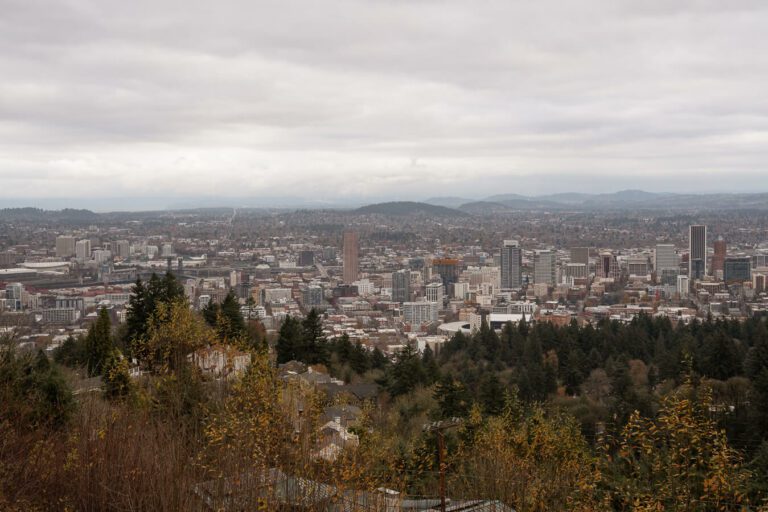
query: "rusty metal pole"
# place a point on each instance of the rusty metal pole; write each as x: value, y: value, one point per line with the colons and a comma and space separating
x: 440, y: 456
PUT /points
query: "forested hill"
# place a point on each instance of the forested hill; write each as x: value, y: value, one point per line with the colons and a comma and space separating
x: 410, y: 208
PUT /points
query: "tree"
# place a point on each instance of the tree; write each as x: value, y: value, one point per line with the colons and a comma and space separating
x: 289, y: 341
x: 98, y: 343
x: 429, y: 363
x: 137, y: 311
x: 491, y: 394
x: 679, y: 461
x: 314, y: 345
x: 226, y: 318
x: 452, y: 398
x: 174, y: 332
x: 406, y: 373
x: 71, y: 352
x: 117, y: 379
x: 720, y: 358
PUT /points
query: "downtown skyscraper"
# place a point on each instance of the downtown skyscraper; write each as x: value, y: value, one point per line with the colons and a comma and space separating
x: 511, y: 265
x: 351, y: 269
x: 697, y: 256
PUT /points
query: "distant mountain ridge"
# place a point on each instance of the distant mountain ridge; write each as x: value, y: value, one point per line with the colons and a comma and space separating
x: 623, y: 199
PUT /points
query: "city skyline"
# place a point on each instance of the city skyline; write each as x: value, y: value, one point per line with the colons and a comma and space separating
x: 367, y: 100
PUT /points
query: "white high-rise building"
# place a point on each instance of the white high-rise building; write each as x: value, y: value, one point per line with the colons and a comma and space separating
x: 167, y: 250
x: 83, y: 250
x: 418, y: 313
x: 683, y: 286
x: 434, y: 293
x: 511, y: 265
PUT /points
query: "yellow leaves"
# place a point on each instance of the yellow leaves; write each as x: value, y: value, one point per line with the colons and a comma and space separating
x: 677, y: 460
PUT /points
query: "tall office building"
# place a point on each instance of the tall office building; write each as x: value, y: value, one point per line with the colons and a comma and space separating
x: 511, y: 265
x: 544, y: 268
x: 580, y: 255
x: 666, y: 264
x: 447, y: 269
x: 737, y: 269
x: 697, y: 260
x: 401, y: 286
x: 351, y: 271
x: 434, y: 293
x: 123, y: 249
x: 306, y: 258
x: 718, y: 260
x: 65, y: 246
x: 418, y: 313
x: 609, y: 267
x: 83, y: 250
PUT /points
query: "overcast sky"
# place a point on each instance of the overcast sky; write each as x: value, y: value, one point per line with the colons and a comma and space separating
x: 372, y: 99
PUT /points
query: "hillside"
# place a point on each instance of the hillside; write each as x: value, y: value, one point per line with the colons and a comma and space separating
x: 409, y: 208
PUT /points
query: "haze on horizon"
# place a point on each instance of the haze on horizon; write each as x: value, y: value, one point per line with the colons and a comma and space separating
x: 375, y: 99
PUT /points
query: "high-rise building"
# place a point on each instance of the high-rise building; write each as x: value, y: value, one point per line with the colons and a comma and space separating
x: 351, y: 269
x: 447, y: 269
x: 697, y: 262
x: 167, y: 251
x: 312, y: 296
x: 401, y: 286
x: 544, y: 268
x: 718, y: 260
x: 306, y: 258
x: 638, y: 265
x: 666, y: 264
x: 511, y: 265
x: 418, y: 313
x: 83, y: 250
x: 123, y: 248
x: 683, y: 286
x: 580, y: 255
x: 434, y: 293
x: 737, y: 269
x: 65, y: 246
x: 609, y: 267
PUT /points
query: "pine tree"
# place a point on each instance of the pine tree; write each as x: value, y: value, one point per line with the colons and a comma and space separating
x: 491, y: 394
x: 137, y: 311
x: 452, y: 398
x: 98, y: 343
x: 289, y: 341
x: 314, y: 347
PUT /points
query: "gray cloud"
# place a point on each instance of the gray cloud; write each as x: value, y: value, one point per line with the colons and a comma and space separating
x: 343, y: 97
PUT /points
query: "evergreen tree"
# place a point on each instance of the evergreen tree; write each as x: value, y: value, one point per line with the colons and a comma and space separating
x: 98, y: 343
x: 491, y: 394
x: 71, y: 353
x: 289, y: 341
x: 359, y: 359
x: 431, y: 370
x: 406, y: 373
x: 314, y: 345
x: 137, y: 311
x: 378, y: 360
x: 720, y: 358
x: 452, y: 398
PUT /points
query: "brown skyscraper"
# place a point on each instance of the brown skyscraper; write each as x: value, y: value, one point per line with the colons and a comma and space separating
x: 718, y: 261
x: 350, y: 257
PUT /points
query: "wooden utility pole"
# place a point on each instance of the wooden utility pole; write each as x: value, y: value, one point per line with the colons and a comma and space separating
x: 439, y: 428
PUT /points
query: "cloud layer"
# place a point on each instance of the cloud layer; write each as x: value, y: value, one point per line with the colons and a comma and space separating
x: 380, y: 98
